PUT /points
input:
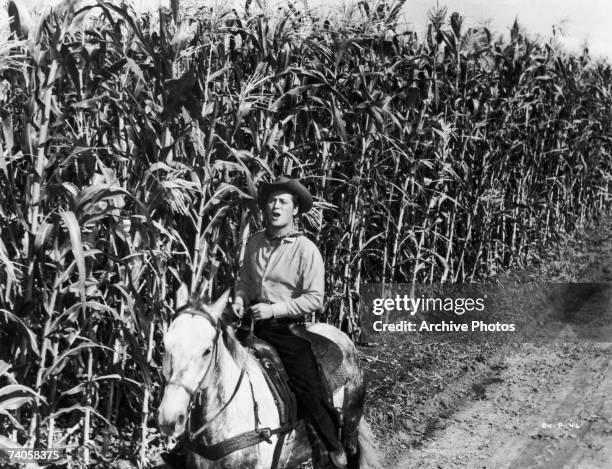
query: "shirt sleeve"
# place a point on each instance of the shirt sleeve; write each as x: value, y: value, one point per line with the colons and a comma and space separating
x: 313, y: 287
x: 245, y: 280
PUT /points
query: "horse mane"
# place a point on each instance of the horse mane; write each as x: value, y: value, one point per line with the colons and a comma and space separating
x: 233, y: 345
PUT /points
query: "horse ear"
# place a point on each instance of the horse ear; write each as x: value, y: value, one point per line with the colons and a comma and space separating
x: 216, y: 309
x: 182, y: 296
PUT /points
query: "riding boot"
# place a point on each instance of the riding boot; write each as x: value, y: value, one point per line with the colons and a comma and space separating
x: 338, y: 458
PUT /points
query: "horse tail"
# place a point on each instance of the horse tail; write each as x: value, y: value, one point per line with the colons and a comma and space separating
x: 369, y: 455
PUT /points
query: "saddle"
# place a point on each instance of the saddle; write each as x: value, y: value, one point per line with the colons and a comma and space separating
x: 329, y: 360
x: 278, y: 381
x: 328, y: 356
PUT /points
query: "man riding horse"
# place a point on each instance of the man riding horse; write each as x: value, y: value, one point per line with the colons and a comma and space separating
x: 282, y: 280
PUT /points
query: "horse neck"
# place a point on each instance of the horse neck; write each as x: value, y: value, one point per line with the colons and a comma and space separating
x: 225, y: 375
x: 221, y: 393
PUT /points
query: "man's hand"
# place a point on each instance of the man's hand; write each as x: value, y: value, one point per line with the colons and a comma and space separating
x: 261, y: 311
x: 238, y: 308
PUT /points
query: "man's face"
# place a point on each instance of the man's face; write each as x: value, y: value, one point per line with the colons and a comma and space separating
x: 280, y: 209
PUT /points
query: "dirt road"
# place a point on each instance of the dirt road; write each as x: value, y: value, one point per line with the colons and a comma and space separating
x: 547, y: 406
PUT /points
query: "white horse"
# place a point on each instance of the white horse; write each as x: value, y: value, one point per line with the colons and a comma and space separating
x: 217, y: 398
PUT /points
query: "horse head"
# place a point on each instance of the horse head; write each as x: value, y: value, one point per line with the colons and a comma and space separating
x: 191, y: 345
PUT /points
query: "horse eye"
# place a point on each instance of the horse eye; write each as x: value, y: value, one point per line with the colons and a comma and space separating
x: 206, y: 352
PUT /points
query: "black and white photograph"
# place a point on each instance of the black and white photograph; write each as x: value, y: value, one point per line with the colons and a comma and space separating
x: 305, y: 234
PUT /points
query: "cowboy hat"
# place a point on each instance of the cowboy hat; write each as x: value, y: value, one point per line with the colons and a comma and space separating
x: 292, y: 186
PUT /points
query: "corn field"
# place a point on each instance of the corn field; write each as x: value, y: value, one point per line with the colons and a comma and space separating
x: 131, y: 149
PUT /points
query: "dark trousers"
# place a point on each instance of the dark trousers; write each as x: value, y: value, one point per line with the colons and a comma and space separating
x: 305, y: 381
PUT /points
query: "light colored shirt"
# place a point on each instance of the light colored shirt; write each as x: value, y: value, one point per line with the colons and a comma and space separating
x: 287, y: 272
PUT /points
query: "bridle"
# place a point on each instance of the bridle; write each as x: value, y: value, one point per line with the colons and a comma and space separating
x: 243, y: 440
x: 195, y: 394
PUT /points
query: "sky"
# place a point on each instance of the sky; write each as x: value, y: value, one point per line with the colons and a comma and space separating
x: 589, y: 20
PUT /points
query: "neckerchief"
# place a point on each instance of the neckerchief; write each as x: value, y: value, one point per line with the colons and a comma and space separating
x: 292, y: 232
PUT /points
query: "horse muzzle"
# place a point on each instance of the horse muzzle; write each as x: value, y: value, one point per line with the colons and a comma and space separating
x: 172, y: 419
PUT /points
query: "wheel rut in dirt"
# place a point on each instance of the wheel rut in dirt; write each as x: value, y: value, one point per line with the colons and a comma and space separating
x: 549, y: 408
x: 574, y: 432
